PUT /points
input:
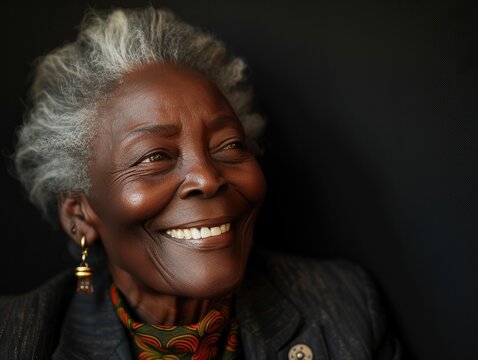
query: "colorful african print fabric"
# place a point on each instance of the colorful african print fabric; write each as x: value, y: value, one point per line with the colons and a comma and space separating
x: 216, y: 336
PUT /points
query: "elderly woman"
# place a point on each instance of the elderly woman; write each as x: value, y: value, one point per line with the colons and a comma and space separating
x: 140, y: 140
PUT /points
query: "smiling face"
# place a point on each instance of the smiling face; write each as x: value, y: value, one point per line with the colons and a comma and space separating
x: 175, y: 192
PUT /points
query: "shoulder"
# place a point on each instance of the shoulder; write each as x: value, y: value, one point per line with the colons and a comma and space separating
x: 38, y: 298
x: 316, y: 276
x: 336, y: 295
x: 324, y: 285
x: 28, y: 321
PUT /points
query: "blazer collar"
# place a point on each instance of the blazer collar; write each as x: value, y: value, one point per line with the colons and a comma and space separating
x: 91, y: 328
x: 267, y: 319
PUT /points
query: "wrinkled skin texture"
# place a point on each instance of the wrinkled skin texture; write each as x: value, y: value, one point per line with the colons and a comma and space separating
x: 170, y: 153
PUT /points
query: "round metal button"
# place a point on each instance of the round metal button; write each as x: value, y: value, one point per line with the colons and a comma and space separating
x: 300, y: 352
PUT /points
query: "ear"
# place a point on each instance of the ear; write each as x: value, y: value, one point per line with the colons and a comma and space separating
x: 77, y: 217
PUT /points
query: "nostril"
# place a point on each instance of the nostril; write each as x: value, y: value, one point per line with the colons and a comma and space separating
x: 205, y: 189
x: 202, y: 181
x: 195, y: 192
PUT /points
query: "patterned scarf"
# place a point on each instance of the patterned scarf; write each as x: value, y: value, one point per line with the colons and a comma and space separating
x: 216, y: 336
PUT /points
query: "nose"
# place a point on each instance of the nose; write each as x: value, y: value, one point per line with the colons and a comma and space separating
x: 201, y: 179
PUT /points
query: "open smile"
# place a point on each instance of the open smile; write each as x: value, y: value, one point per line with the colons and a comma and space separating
x: 198, y: 232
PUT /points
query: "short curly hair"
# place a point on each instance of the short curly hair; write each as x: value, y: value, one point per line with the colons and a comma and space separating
x: 54, y: 142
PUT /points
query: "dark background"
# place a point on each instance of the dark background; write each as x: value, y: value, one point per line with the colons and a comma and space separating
x: 372, y: 147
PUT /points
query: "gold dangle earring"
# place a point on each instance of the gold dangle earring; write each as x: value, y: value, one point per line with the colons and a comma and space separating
x: 84, y: 273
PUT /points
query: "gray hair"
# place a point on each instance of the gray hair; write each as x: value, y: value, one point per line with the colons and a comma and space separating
x: 54, y: 142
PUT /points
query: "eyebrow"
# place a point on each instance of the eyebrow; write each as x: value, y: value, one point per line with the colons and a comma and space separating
x: 170, y: 130
x: 221, y: 122
x: 163, y: 130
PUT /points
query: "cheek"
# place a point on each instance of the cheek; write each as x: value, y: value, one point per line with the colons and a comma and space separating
x: 251, y: 183
x: 142, y: 200
x: 134, y: 202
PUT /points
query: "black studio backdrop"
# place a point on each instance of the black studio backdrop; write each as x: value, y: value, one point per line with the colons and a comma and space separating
x: 371, y: 151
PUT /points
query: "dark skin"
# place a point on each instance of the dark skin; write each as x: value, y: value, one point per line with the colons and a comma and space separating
x: 175, y: 193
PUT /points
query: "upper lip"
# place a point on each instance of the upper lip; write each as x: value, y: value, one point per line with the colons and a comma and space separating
x: 209, y: 222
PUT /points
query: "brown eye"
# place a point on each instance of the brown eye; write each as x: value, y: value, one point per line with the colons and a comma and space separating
x: 234, y: 145
x: 154, y: 157
x: 232, y: 151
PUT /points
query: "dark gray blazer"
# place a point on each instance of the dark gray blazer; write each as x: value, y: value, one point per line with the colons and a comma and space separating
x: 287, y: 305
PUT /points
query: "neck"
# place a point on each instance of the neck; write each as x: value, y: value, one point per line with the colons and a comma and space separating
x: 167, y: 309
x: 151, y: 307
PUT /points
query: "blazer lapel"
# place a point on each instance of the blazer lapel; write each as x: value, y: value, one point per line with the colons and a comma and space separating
x: 267, y: 320
x: 91, y: 328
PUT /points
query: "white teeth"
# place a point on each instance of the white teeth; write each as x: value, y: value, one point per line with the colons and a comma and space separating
x: 195, y: 233
x: 205, y: 232
x: 201, y: 233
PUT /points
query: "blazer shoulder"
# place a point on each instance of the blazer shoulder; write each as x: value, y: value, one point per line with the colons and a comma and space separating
x: 340, y: 295
x: 324, y: 284
x: 315, y: 274
x: 50, y: 288
x: 28, y: 321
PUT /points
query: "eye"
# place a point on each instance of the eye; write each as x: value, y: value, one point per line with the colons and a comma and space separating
x: 231, y: 151
x: 154, y: 157
x: 237, y: 144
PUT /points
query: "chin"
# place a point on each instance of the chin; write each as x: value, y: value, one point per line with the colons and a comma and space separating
x: 190, y: 272
x: 220, y: 288
x: 213, y: 284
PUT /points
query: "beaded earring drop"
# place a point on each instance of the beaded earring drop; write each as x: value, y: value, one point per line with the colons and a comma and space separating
x: 84, y: 272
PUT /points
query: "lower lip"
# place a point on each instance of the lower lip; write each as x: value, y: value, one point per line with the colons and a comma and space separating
x: 207, y: 244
